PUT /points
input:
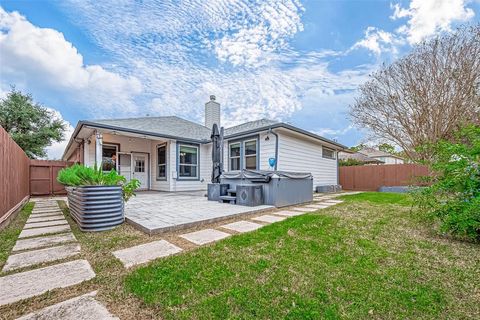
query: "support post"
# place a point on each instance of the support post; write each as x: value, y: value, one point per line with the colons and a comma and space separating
x: 98, y: 149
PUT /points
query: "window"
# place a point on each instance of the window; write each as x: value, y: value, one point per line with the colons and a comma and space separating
x: 188, y: 161
x: 109, y: 157
x: 162, y: 162
x: 243, y: 155
x: 139, y: 165
x: 235, y: 156
x: 250, y: 154
x: 328, y: 153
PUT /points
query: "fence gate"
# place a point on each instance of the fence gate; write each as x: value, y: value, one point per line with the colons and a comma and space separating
x: 43, y: 177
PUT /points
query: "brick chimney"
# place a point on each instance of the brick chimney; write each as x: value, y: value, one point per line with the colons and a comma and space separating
x: 212, y: 113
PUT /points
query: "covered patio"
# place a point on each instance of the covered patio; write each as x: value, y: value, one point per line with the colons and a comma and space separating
x: 156, y: 212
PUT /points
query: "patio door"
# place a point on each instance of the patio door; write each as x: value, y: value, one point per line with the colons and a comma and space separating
x: 125, y: 165
x: 140, y: 169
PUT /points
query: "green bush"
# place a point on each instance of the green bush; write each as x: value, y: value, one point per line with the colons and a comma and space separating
x: 454, y: 195
x: 80, y: 175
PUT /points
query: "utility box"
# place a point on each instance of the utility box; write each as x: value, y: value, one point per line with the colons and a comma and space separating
x: 215, y: 190
x: 249, y: 195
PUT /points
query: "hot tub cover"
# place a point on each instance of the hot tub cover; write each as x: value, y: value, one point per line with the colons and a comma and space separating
x: 265, y: 175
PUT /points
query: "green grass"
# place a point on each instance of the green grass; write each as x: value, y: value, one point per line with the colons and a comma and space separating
x: 9, y: 235
x: 379, y: 198
x: 365, y: 258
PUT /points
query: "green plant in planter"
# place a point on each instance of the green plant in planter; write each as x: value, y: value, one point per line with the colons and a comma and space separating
x: 80, y: 176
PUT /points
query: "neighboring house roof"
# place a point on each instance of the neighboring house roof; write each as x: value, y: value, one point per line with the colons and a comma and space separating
x: 172, y: 127
x: 373, y: 153
x: 358, y: 156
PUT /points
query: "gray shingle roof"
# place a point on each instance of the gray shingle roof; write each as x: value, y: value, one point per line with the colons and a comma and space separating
x: 249, y: 126
x: 168, y: 126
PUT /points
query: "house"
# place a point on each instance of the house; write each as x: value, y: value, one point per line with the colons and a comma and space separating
x: 360, y: 157
x: 174, y: 154
x: 386, y: 157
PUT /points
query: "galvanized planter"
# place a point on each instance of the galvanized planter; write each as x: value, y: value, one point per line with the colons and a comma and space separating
x: 96, y: 208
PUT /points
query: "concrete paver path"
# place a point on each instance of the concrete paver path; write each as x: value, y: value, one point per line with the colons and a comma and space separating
x: 36, y: 243
x: 46, y: 218
x: 40, y: 224
x: 288, y: 213
x: 205, y: 236
x: 269, y: 218
x: 84, y: 307
x: 30, y: 258
x: 146, y: 252
x: 43, y: 231
x: 23, y: 285
x: 242, y: 226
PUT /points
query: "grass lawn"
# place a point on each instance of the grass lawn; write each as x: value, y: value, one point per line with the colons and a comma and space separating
x: 9, y: 235
x: 366, y: 258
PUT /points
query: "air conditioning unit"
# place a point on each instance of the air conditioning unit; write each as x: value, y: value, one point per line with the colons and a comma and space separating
x: 249, y: 195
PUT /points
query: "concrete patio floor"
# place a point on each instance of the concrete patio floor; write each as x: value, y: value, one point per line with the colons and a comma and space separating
x: 156, y: 212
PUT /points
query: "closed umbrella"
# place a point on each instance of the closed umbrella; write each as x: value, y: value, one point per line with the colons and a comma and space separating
x: 216, y: 154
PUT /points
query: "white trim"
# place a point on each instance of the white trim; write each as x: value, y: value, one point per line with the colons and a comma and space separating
x: 245, y: 156
x: 197, y: 165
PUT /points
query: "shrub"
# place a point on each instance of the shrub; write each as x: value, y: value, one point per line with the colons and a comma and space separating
x: 454, y: 196
x: 80, y: 175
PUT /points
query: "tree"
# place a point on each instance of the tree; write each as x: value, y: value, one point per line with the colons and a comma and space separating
x: 426, y: 96
x: 385, y: 147
x: 454, y: 195
x: 32, y: 126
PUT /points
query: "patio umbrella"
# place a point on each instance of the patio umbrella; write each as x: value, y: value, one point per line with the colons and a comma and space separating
x: 216, y: 154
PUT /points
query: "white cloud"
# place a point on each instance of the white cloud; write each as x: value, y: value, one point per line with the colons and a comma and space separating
x: 43, y: 57
x: 55, y: 151
x: 270, y: 26
x: 235, y: 49
x: 379, y: 41
x: 428, y: 17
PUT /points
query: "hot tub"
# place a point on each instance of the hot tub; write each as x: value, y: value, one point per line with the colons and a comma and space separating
x: 280, y: 188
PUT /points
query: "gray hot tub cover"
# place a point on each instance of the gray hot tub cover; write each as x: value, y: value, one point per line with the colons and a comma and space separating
x: 265, y: 175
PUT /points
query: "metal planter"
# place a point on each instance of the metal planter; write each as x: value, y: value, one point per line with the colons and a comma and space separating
x: 96, y: 208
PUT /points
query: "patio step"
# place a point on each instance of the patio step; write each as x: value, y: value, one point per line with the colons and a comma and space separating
x: 230, y: 199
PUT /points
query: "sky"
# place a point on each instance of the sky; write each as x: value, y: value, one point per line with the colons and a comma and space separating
x: 295, y: 61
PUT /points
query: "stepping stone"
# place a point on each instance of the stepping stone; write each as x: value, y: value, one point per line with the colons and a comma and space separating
x: 46, y: 214
x: 268, y: 218
x: 205, y: 236
x: 45, y: 224
x: 30, y: 258
x: 287, y: 213
x: 317, y: 206
x: 242, y: 226
x: 84, y: 307
x: 333, y: 201
x: 304, y: 209
x: 36, y: 243
x: 45, y: 206
x: 45, y: 230
x: 146, y: 252
x: 23, y: 285
x: 42, y: 211
x: 47, y: 218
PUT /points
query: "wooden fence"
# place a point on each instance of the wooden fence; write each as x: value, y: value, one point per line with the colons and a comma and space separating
x: 14, y: 176
x: 43, y: 177
x: 372, y: 177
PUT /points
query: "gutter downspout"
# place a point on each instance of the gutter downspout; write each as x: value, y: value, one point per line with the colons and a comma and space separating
x: 276, y: 147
